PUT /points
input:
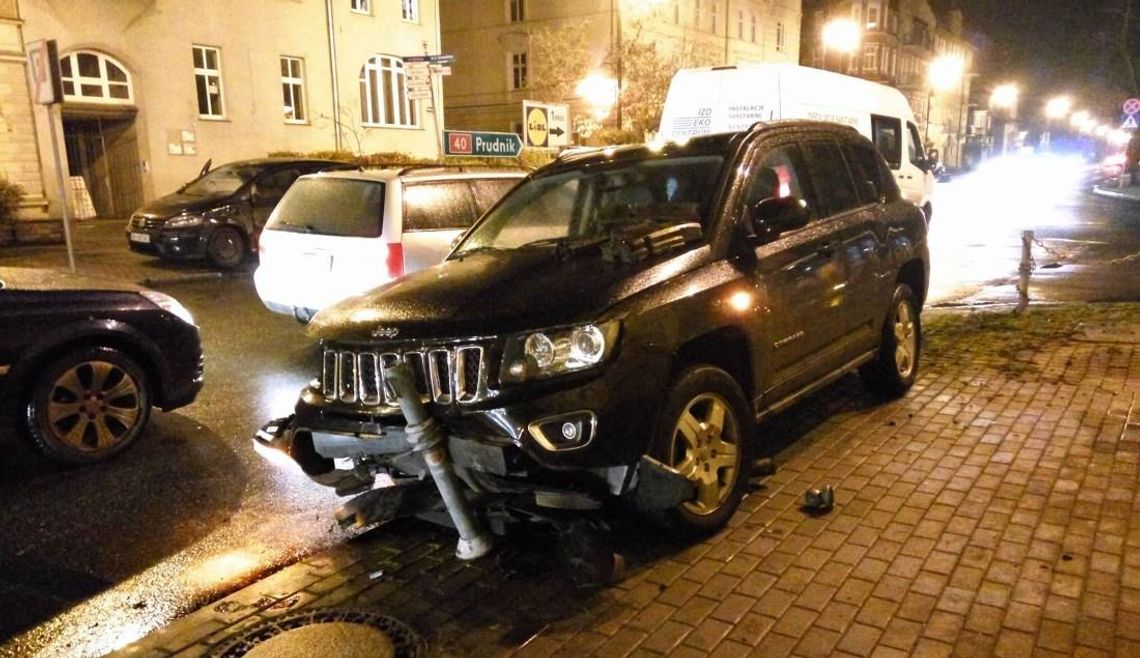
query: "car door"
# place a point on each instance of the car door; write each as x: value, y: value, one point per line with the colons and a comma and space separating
x: 850, y: 220
x: 796, y: 270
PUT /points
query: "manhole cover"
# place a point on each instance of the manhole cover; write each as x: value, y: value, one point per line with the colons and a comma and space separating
x: 328, y: 633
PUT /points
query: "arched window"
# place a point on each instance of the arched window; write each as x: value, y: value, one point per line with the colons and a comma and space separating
x: 92, y: 77
x: 384, y: 94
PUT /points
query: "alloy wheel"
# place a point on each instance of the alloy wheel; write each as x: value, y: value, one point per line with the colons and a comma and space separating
x: 906, y: 339
x: 93, y: 406
x: 705, y: 450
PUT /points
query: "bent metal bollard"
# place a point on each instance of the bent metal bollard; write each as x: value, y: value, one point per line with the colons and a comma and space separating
x: 1024, y: 269
x: 427, y: 438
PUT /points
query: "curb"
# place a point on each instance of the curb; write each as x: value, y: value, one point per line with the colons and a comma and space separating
x: 1112, y: 193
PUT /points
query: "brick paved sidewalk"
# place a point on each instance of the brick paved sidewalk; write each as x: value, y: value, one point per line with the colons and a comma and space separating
x: 993, y: 511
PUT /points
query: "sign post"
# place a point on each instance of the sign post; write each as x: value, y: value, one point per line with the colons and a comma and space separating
x: 420, y: 72
x: 482, y: 144
x: 546, y: 125
x: 47, y: 87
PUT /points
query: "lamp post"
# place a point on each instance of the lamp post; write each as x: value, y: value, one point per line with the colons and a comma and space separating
x: 943, y: 73
x: 1057, y: 108
x: 1004, y: 98
x: 841, y: 35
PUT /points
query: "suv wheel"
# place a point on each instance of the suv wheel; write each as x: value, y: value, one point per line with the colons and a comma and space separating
x: 88, y: 405
x: 705, y: 432
x: 226, y: 247
x: 895, y: 367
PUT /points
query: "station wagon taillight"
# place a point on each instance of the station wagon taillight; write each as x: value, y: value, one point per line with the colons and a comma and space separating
x: 395, y: 260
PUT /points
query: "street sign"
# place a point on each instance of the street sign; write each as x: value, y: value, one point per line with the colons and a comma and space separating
x: 1128, y: 122
x: 482, y: 144
x: 546, y: 125
x: 1132, y: 106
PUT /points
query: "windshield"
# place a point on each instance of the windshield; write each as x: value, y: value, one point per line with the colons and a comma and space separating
x: 331, y: 206
x: 592, y: 203
x: 226, y: 179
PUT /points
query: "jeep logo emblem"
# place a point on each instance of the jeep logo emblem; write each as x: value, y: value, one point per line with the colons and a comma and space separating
x: 385, y: 332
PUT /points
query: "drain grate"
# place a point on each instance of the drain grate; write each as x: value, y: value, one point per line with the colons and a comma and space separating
x: 322, y: 630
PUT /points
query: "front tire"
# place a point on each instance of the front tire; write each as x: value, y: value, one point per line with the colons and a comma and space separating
x: 895, y: 367
x: 88, y: 405
x: 226, y: 247
x: 706, y: 433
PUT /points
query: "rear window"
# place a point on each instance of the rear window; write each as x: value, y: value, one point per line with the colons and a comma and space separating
x: 834, y: 190
x: 438, y: 206
x: 332, y: 206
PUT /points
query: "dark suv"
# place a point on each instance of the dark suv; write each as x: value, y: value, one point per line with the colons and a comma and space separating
x: 618, y: 323
x: 219, y: 215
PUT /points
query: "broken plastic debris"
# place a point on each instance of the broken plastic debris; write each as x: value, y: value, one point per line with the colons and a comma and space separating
x: 819, y: 500
x: 376, y: 575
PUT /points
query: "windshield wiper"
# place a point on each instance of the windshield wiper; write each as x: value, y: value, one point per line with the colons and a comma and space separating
x: 566, y: 245
x: 475, y: 250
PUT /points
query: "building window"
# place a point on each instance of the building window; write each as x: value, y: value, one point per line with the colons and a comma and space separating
x: 361, y: 6
x: 516, y: 10
x: 293, y: 89
x: 208, y: 80
x: 780, y: 36
x: 384, y: 94
x: 518, y: 70
x: 873, y: 17
x: 410, y: 10
x: 869, y: 58
x: 93, y: 77
x: 753, y: 29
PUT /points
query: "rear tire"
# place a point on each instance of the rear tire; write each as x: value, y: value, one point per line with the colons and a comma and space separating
x: 706, y: 432
x: 895, y: 367
x: 88, y: 405
x: 226, y: 247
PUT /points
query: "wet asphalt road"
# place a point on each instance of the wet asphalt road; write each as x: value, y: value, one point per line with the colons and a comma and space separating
x: 93, y: 558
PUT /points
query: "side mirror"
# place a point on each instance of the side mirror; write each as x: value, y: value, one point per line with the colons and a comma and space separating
x: 773, y: 216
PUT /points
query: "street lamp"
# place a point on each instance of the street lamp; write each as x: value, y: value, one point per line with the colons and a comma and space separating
x: 600, y: 92
x: 943, y: 73
x: 841, y: 35
x: 1004, y: 97
x: 1058, y: 107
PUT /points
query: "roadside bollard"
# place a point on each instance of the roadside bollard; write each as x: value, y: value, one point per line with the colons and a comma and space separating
x: 1024, y: 270
x: 428, y: 438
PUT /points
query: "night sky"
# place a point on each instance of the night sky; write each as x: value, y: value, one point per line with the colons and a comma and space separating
x: 1052, y: 46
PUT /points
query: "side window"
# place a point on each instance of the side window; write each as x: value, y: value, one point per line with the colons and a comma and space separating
x: 438, y: 206
x: 914, y: 151
x: 777, y: 174
x: 488, y: 191
x: 272, y: 186
x: 864, y: 164
x: 834, y: 189
x: 886, y: 133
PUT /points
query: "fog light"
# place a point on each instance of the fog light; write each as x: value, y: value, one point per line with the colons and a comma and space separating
x: 565, y: 431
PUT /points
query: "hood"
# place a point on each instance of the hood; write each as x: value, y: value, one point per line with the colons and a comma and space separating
x: 493, y: 293
x: 19, y: 278
x: 176, y: 204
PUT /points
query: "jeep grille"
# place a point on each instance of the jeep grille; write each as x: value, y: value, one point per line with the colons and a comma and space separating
x: 444, y: 375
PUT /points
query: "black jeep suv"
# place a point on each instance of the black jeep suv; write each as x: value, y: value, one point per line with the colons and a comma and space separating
x: 616, y: 326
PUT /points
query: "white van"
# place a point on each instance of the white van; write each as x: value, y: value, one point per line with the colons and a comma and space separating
x: 730, y: 98
x: 337, y: 235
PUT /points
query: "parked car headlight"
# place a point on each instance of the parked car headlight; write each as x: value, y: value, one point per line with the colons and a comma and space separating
x: 184, y: 221
x: 551, y: 352
x: 168, y: 304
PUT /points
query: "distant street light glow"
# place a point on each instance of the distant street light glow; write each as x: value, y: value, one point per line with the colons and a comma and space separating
x: 945, y: 72
x: 1058, y: 108
x: 1004, y: 96
x: 841, y: 35
x: 600, y: 91
x: 1079, y: 118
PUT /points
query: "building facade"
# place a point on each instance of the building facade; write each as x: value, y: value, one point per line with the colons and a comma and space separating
x: 499, y: 52
x: 899, y: 43
x: 153, y: 89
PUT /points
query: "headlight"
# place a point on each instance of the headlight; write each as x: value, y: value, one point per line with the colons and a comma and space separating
x: 183, y: 221
x: 541, y: 354
x: 168, y: 304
